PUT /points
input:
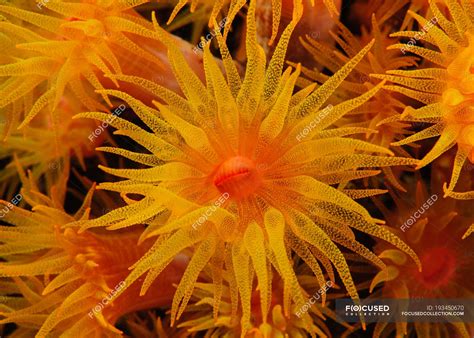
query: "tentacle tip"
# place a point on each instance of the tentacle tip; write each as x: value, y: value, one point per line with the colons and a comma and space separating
x: 112, y: 227
x: 418, y: 263
x: 141, y: 240
x: 447, y: 191
x: 419, y: 166
x: 68, y: 225
x: 402, y: 189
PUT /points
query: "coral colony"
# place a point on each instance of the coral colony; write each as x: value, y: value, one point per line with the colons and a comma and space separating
x: 234, y: 168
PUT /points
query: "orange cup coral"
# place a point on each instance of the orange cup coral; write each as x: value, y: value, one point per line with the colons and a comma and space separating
x: 446, y: 89
x: 242, y: 169
x: 446, y: 260
x: 60, y: 282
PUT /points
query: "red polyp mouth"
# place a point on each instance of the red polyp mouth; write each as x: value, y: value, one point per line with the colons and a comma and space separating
x: 238, y: 177
x: 439, y: 266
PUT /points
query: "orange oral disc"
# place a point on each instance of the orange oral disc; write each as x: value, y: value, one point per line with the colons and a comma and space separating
x: 237, y: 176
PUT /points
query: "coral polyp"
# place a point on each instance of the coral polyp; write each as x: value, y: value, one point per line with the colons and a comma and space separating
x: 245, y: 167
x: 66, y: 278
x: 69, y: 54
x: 445, y: 88
x: 380, y: 114
x: 445, y: 258
x: 36, y: 147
